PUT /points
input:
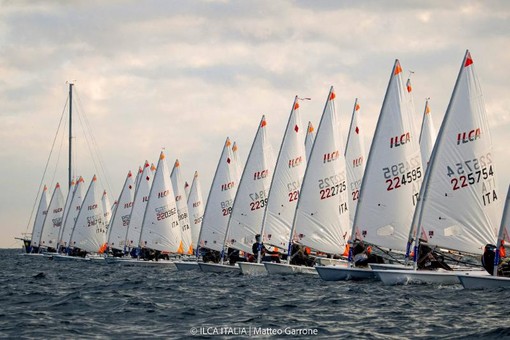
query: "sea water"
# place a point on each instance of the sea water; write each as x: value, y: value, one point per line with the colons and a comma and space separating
x: 40, y: 298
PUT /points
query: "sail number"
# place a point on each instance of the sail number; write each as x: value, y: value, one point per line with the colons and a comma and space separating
x: 407, y: 178
x: 293, y: 188
x: 226, y: 207
x: 471, y: 178
x: 259, y: 200
x: 332, y: 185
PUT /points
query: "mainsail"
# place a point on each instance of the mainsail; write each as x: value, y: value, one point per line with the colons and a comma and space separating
x: 220, y: 200
x: 427, y: 136
x: 355, y: 158
x: 461, y: 206
x: 42, y: 210
x: 120, y: 220
x: 310, y: 137
x: 186, y: 246
x: 53, y: 220
x: 321, y: 221
x: 195, y: 208
x: 89, y: 232
x: 286, y: 182
x: 251, y: 198
x: 393, y: 173
x: 139, y: 204
x: 160, y: 229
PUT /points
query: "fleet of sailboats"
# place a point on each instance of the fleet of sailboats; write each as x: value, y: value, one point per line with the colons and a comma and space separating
x: 413, y: 196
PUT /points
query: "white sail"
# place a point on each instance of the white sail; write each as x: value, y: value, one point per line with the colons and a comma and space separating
x: 251, y: 198
x: 504, y: 230
x: 72, y: 213
x: 220, y: 200
x: 89, y: 232
x: 393, y: 173
x: 161, y: 229
x: 322, y: 216
x: 355, y: 158
x: 286, y: 183
x: 120, y: 219
x: 235, y: 155
x: 42, y: 210
x: 427, y: 136
x: 196, y: 208
x: 139, y: 204
x: 310, y: 137
x: 139, y: 176
x: 53, y: 220
x: 461, y: 206
x: 186, y: 246
x: 107, y: 209
x: 186, y: 191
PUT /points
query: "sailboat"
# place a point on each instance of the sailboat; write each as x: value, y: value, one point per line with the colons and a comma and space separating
x: 160, y: 234
x: 427, y: 136
x: 89, y: 232
x: 120, y: 220
x: 139, y: 204
x: 219, y: 206
x: 32, y: 245
x: 459, y: 204
x: 284, y: 189
x: 355, y: 158
x: 321, y: 221
x: 63, y: 213
x: 250, y: 201
x: 53, y: 221
x: 71, y: 214
x: 310, y: 137
x: 390, y: 184
x: 493, y: 281
x: 186, y: 245
x: 196, y: 213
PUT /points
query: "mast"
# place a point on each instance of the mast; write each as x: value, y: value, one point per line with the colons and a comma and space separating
x: 70, y: 131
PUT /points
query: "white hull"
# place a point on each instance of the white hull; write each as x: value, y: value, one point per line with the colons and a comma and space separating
x: 404, y: 277
x: 186, y: 265
x: 39, y: 255
x: 62, y: 257
x: 137, y: 262
x: 338, y: 273
x: 218, y: 268
x: 288, y: 269
x: 388, y: 266
x: 483, y: 281
x: 324, y: 261
x: 249, y: 268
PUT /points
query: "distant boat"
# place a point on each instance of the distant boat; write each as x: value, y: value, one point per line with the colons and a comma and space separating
x: 139, y: 204
x: 161, y: 234
x: 218, y: 208
x: 459, y: 204
x: 186, y: 245
x: 196, y: 207
x: 390, y: 184
x: 71, y: 214
x: 89, y: 233
x: 310, y: 137
x: 53, y: 221
x: 120, y: 220
x: 427, y: 136
x: 355, y: 158
x: 32, y: 245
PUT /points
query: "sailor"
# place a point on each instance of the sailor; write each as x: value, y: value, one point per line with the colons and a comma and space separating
x: 266, y: 255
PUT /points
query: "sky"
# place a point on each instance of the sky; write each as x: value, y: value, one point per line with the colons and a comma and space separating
x: 184, y: 75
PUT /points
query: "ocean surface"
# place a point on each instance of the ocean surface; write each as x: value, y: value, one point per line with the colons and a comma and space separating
x: 43, y: 299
